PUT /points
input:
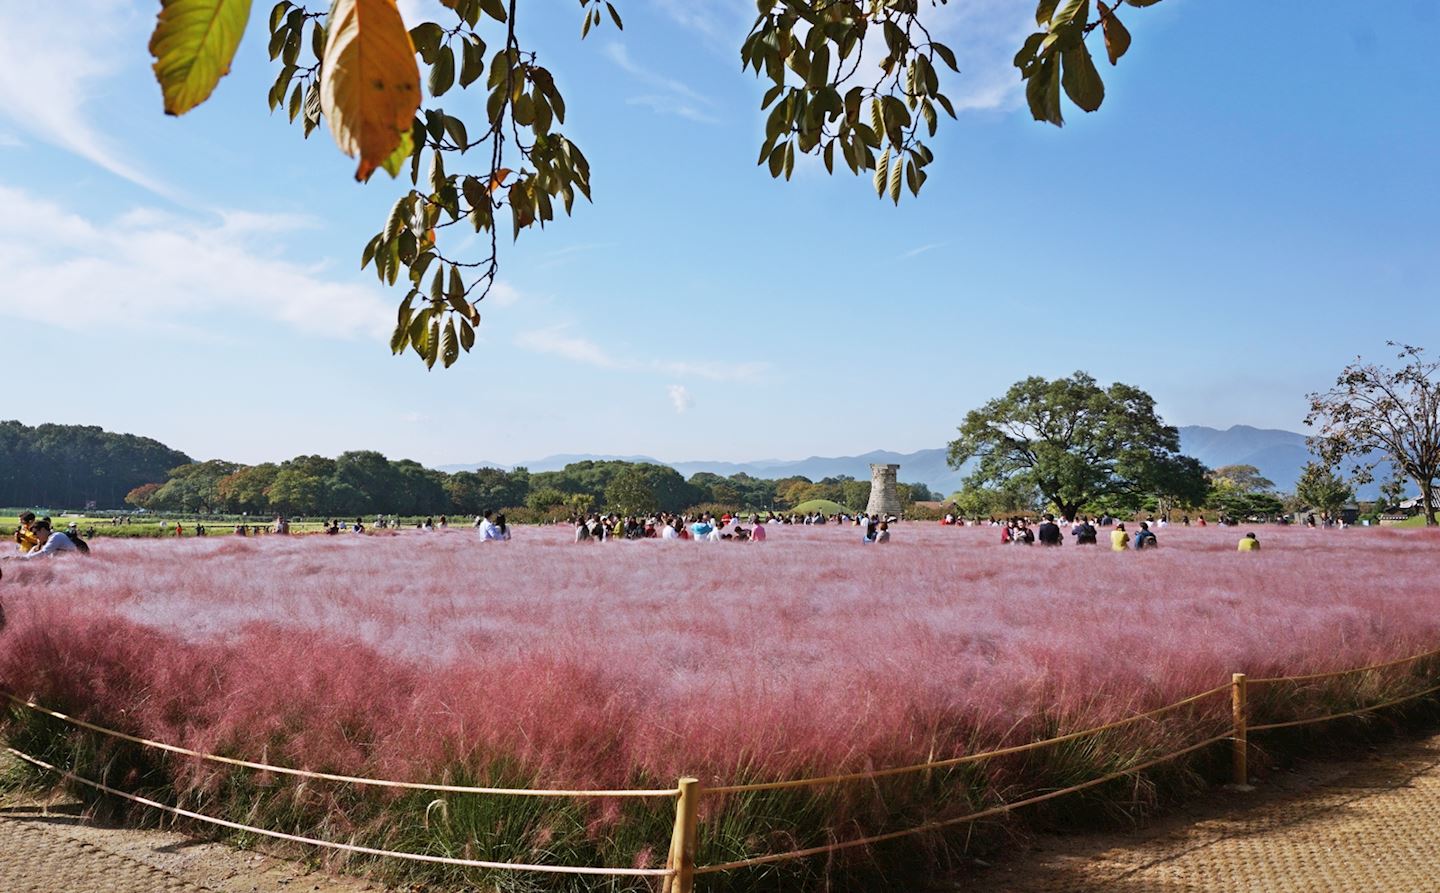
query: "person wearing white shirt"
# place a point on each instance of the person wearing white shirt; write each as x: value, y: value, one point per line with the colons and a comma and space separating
x: 50, y: 542
x: 487, y: 528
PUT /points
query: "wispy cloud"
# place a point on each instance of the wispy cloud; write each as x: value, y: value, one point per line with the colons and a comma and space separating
x: 984, y: 35
x: 916, y: 252
x: 557, y: 342
x: 51, y: 70
x: 11, y: 141
x: 722, y: 23
x: 674, y: 97
x: 562, y: 341
x: 148, y: 268
x: 680, y: 397
x: 669, y: 105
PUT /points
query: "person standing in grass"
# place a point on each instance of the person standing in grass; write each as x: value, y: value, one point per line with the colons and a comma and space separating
x: 1119, y: 539
x: 1249, y: 543
x: 1049, y: 532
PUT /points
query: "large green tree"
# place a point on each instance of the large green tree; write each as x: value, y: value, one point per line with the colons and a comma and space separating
x: 1374, y: 411
x: 1321, y: 488
x: 629, y: 493
x: 1075, y: 442
x: 354, y: 65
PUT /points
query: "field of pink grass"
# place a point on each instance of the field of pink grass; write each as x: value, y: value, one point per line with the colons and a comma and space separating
x: 626, y: 663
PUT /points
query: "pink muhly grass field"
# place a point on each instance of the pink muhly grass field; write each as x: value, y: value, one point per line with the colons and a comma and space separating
x: 540, y: 662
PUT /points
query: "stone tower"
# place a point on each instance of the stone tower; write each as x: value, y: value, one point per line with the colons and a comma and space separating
x: 884, y: 497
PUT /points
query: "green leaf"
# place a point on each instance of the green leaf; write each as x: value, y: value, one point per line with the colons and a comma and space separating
x: 456, y: 289
x: 495, y: 9
x: 295, y: 97
x: 467, y: 335
x: 1042, y: 92
x: 449, y: 345
x: 427, y: 37
x: 882, y: 173
x: 897, y: 170
x: 472, y: 62
x: 614, y: 16
x: 278, y: 13
x: 442, y: 73
x: 946, y: 55
x: 396, y: 159
x: 1082, y: 82
x: 777, y: 160
x: 193, y: 44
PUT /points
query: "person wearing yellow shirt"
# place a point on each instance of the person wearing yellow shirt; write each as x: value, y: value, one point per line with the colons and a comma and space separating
x: 1119, y: 539
x: 1248, y: 543
x: 25, y: 536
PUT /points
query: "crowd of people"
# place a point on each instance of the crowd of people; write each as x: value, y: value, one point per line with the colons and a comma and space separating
x: 36, y: 537
x: 711, y: 528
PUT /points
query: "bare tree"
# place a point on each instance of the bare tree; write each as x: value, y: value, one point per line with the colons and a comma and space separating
x: 1373, y: 409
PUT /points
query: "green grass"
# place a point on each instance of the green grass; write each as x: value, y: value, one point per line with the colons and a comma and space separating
x: 824, y: 506
x: 154, y: 526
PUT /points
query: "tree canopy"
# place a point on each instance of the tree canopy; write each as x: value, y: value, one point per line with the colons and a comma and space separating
x: 1076, y: 443
x: 1321, y: 488
x: 1375, y: 410
x: 74, y: 465
x: 355, y: 66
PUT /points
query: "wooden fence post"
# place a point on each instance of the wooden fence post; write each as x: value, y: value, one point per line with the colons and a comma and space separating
x: 1240, y: 777
x: 683, y: 839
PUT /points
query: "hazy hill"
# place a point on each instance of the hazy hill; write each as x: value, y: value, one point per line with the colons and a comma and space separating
x: 1278, y: 454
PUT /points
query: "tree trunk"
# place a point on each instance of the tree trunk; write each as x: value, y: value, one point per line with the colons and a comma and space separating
x: 1427, y: 488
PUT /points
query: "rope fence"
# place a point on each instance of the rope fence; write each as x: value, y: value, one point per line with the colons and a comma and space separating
x: 326, y: 776
x: 346, y: 847
x: 681, y: 869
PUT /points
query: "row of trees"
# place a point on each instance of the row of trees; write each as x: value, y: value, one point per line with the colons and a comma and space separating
x: 366, y: 482
x: 1076, y: 447
x: 76, y: 466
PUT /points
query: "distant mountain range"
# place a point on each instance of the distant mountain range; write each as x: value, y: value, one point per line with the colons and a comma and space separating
x: 1280, y: 455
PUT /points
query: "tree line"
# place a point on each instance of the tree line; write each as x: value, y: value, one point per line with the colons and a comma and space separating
x: 365, y: 482
x: 75, y: 466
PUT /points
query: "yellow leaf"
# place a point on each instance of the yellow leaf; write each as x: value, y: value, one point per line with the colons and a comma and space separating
x: 193, y: 44
x: 370, y: 86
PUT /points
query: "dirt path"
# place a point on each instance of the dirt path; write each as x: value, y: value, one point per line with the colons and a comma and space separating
x: 49, y: 848
x: 1367, y: 824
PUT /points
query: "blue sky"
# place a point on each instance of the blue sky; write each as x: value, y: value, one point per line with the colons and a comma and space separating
x: 1254, y: 205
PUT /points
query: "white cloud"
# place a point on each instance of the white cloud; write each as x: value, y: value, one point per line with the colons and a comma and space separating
x: 680, y: 397
x: 676, y: 97
x: 502, y: 294
x: 984, y: 35
x: 669, y: 105
x: 723, y: 23
x: 555, y: 342
x: 916, y: 252
x: 55, y: 59
x: 148, y: 268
